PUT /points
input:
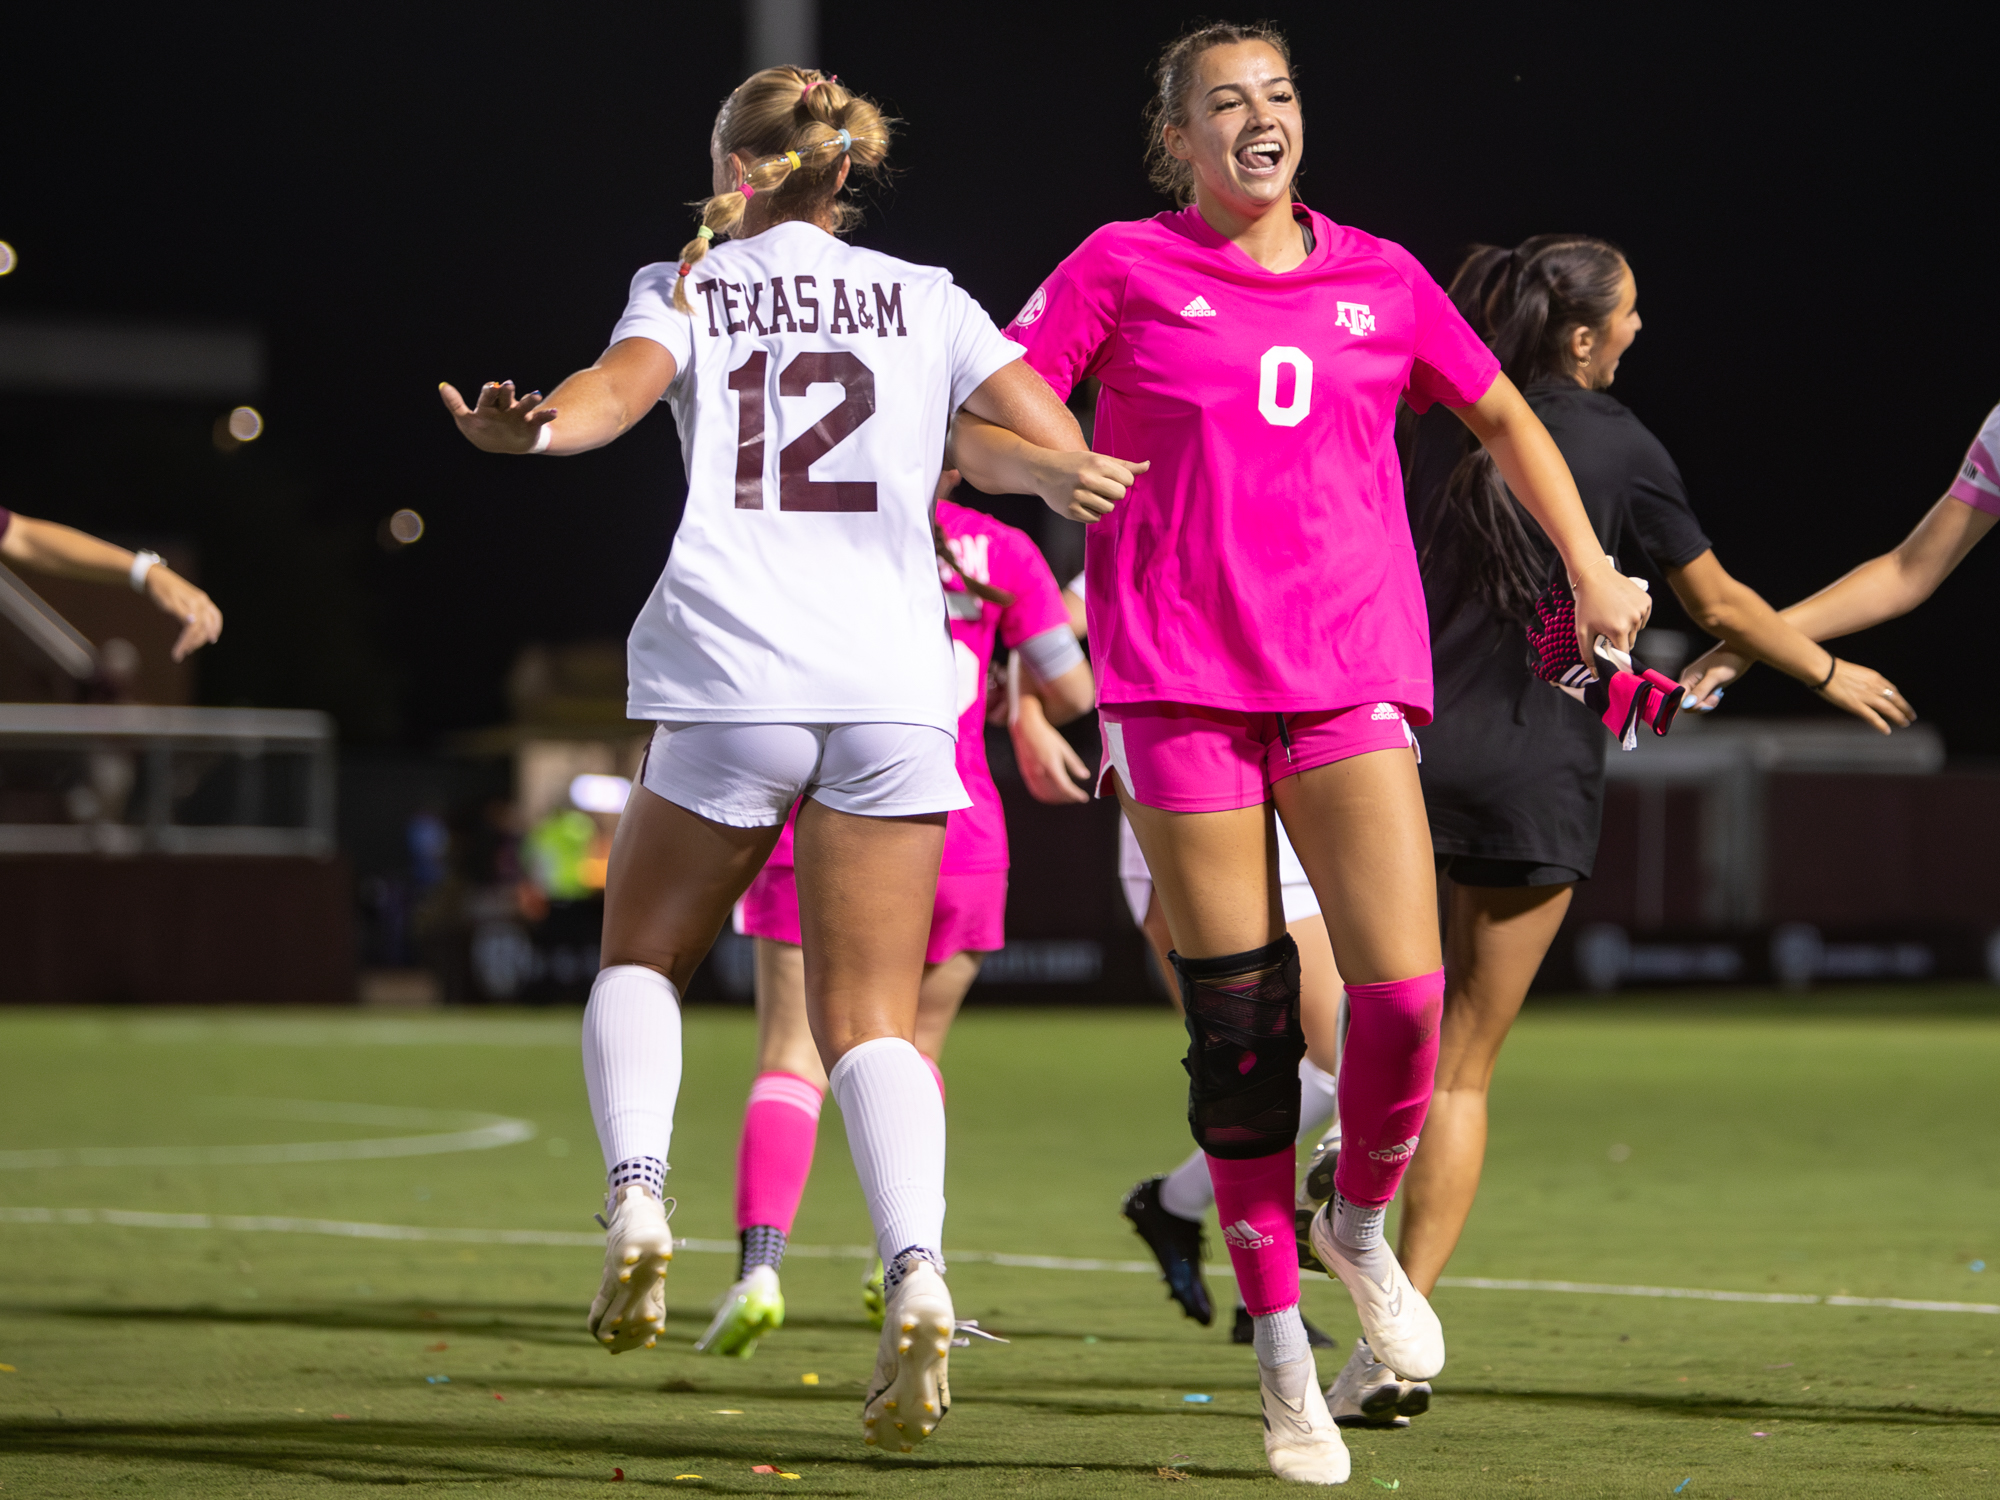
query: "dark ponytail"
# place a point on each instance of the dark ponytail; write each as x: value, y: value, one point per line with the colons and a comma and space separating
x: 973, y: 586
x: 1475, y: 545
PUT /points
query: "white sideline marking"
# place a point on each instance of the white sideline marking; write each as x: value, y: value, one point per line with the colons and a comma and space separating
x: 475, y: 1132
x: 271, y: 1224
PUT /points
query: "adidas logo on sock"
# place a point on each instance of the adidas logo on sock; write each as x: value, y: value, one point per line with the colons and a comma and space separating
x: 1240, y: 1236
x: 1198, y: 308
x: 1400, y: 1151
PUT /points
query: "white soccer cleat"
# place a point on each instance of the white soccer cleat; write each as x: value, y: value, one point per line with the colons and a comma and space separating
x: 1396, y: 1319
x: 1300, y: 1438
x: 909, y: 1392
x: 630, y: 1310
x: 750, y: 1309
x: 1366, y: 1393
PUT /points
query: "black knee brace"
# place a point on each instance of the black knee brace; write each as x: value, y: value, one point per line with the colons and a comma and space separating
x: 1245, y: 1040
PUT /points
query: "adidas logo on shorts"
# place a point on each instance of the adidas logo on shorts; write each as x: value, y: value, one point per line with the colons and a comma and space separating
x: 1240, y: 1236
x: 1385, y: 711
x: 1198, y: 308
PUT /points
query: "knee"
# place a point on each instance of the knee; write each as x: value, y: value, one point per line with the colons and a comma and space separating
x: 1245, y: 1040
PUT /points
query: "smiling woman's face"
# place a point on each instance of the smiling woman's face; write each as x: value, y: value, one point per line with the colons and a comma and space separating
x: 1244, y: 134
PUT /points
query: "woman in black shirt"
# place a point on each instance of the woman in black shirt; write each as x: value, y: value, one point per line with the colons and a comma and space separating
x: 1513, y: 768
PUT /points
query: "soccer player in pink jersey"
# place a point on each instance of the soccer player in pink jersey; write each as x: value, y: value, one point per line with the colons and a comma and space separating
x: 1258, y: 630
x: 793, y: 648
x: 1890, y: 585
x: 998, y: 592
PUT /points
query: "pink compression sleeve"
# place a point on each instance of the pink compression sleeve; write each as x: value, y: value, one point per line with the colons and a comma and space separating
x: 775, y: 1157
x: 1253, y: 1198
x: 1386, y: 1075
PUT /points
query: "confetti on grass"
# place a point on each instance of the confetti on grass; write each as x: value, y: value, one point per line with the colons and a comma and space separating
x: 1194, y: 1400
x: 617, y: 1473
x: 1388, y: 1484
x: 809, y: 1380
x: 1684, y: 1484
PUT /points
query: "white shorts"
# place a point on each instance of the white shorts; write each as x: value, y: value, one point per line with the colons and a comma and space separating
x: 749, y: 775
x: 1293, y: 888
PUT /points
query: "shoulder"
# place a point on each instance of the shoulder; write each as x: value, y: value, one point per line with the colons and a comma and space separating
x: 963, y: 520
x: 658, y: 278
x: 1989, y: 432
x: 1346, y: 244
x: 1111, y: 251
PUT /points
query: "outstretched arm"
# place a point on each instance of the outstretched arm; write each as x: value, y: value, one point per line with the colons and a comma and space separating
x: 1736, y: 612
x: 1880, y: 589
x: 1607, y: 602
x: 1013, y: 437
x: 586, y: 411
x: 48, y: 547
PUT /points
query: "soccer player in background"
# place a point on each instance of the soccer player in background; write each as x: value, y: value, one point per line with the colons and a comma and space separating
x: 49, y: 547
x: 1890, y: 585
x: 1257, y: 628
x: 794, y: 647
x: 1513, y: 770
x: 998, y: 592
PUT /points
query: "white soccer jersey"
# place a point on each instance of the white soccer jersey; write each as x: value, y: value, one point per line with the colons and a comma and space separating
x: 815, y: 384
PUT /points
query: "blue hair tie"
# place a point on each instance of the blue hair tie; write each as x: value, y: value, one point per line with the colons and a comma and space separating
x: 846, y: 141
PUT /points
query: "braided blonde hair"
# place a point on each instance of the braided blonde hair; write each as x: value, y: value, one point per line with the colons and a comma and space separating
x: 794, y: 126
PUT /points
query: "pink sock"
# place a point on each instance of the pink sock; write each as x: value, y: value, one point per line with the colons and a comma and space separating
x: 936, y: 1072
x: 780, y: 1129
x: 1386, y: 1075
x: 1253, y: 1198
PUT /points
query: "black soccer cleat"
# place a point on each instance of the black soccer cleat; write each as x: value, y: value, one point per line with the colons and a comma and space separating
x: 1176, y: 1244
x: 1244, y: 1330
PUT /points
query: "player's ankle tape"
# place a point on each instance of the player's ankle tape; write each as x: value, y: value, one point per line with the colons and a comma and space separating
x: 641, y: 1171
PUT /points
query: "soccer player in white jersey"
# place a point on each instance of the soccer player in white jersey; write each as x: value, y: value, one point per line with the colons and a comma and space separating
x: 1887, y: 586
x: 794, y: 646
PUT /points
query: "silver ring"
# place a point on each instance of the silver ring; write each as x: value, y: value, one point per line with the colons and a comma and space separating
x: 1888, y: 692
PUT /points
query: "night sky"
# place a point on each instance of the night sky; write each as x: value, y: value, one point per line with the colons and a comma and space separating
x: 399, y: 195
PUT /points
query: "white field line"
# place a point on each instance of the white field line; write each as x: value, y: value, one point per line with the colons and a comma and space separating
x: 475, y: 1132
x: 344, y: 1229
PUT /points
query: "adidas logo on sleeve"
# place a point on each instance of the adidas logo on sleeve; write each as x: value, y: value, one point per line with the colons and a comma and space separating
x: 1198, y: 308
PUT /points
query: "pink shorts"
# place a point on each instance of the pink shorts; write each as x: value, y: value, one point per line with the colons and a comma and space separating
x: 970, y: 915
x: 1179, y: 757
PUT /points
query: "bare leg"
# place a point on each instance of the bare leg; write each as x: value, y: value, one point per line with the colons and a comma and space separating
x: 672, y: 879
x: 866, y: 890
x: 939, y: 998
x: 1495, y: 940
x: 784, y: 1039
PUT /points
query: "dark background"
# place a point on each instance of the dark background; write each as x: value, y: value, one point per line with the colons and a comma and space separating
x: 399, y: 195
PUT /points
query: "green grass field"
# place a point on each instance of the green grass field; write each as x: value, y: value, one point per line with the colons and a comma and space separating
x: 1809, y: 1147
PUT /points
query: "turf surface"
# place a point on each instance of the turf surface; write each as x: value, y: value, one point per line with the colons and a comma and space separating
x: 1808, y: 1147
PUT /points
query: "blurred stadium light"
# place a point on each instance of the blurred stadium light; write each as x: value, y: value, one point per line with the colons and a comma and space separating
x: 776, y: 32
x: 130, y: 359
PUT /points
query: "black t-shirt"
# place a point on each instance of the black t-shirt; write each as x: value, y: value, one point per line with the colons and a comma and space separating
x: 1513, y: 768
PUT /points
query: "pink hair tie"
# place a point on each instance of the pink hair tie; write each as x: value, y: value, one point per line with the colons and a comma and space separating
x: 747, y: 191
x: 834, y: 78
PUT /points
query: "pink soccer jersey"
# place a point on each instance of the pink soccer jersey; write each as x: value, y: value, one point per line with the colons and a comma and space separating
x: 1978, y: 482
x: 1264, y: 563
x: 975, y: 838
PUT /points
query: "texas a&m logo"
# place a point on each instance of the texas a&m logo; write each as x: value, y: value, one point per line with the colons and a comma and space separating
x: 1354, y: 317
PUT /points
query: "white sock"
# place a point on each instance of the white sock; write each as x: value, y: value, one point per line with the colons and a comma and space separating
x: 1317, y: 1104
x: 1280, y: 1338
x: 632, y: 1067
x: 895, y: 1130
x: 1186, y: 1191
x: 1356, y: 1227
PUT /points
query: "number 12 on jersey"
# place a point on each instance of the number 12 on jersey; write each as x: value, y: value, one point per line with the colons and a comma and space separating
x: 797, y: 489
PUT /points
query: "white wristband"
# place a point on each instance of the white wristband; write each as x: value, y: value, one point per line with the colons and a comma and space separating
x: 542, y: 436
x: 142, y: 564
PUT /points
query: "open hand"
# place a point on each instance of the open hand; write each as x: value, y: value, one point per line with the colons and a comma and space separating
x: 1051, y: 770
x: 201, y: 621
x: 1084, y: 486
x: 1869, y: 696
x: 1707, y: 675
x: 500, y: 422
